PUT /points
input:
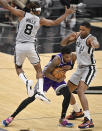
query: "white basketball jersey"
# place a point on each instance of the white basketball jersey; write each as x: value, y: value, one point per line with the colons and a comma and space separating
x: 83, y: 52
x: 28, y: 28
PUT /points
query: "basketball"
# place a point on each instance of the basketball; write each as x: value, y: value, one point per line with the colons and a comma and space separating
x: 58, y: 73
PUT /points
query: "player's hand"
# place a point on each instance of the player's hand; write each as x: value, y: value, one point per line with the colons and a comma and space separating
x: 4, y: 3
x: 66, y: 68
x: 71, y: 10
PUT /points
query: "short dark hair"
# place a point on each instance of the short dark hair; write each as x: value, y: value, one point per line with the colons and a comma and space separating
x: 66, y: 50
x: 86, y: 24
x: 33, y: 5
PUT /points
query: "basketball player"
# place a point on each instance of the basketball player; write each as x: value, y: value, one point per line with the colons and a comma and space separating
x: 25, y: 41
x: 86, y: 69
x: 66, y: 60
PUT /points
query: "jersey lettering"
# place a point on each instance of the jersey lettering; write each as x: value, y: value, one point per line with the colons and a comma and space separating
x: 81, y: 49
x: 28, y: 29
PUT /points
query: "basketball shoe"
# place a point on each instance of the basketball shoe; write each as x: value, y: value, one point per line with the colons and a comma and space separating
x: 42, y: 97
x: 75, y: 115
x: 64, y: 123
x: 7, y: 121
x: 30, y: 91
x: 86, y: 124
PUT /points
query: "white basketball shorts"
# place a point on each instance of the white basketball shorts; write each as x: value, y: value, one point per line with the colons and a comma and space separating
x: 85, y: 74
x: 26, y: 50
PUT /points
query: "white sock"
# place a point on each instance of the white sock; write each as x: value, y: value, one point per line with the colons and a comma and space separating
x: 23, y: 77
x: 40, y: 83
x: 76, y: 107
x: 87, y: 114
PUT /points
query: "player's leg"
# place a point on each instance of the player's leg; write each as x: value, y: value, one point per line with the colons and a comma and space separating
x: 87, y: 76
x: 62, y: 89
x: 23, y: 104
x: 84, y: 102
x: 19, y: 58
x: 34, y: 58
x: 46, y: 85
x: 39, y: 76
x: 72, y: 84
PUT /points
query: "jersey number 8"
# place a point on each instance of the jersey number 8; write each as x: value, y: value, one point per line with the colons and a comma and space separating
x: 28, y: 29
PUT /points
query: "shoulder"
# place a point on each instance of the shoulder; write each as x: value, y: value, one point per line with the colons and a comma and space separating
x: 56, y: 59
x: 27, y: 14
x: 90, y: 39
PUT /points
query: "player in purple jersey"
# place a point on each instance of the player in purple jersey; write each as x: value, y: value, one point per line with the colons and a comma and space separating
x: 66, y: 60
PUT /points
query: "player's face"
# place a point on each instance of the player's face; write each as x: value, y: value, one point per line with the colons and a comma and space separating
x: 38, y: 12
x: 66, y: 57
x: 84, y: 31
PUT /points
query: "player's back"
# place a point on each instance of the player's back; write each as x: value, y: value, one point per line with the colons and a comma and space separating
x: 28, y: 28
x: 62, y: 63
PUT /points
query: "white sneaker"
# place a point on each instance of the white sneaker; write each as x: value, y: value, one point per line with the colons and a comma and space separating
x: 42, y: 97
x: 30, y: 91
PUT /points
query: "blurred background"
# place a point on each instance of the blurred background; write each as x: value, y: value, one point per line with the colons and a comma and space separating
x: 48, y: 38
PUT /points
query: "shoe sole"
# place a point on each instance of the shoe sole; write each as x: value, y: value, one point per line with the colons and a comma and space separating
x: 87, y: 128
x: 70, y: 126
x: 75, y: 117
x: 41, y: 97
x: 4, y: 124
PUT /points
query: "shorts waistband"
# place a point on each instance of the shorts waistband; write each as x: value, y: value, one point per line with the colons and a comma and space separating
x: 83, y: 66
x: 26, y: 41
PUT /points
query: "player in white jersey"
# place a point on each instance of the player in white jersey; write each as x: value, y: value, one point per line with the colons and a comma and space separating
x: 86, y: 69
x: 25, y: 40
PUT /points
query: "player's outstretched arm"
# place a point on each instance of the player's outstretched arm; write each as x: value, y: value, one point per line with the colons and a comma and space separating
x: 14, y: 11
x: 46, y: 22
x: 69, y: 39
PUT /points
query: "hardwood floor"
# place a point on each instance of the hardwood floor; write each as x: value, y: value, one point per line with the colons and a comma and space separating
x: 40, y: 116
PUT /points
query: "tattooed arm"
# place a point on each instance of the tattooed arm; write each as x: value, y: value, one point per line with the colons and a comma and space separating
x: 93, y: 42
x: 14, y: 11
x: 47, y: 72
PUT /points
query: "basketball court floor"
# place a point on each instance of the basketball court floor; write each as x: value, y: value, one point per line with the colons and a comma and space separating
x: 40, y: 116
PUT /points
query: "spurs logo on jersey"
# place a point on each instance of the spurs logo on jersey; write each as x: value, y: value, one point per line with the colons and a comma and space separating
x: 84, y: 53
x: 28, y: 28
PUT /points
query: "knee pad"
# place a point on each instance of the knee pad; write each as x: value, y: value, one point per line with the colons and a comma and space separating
x: 67, y: 93
x: 59, y: 89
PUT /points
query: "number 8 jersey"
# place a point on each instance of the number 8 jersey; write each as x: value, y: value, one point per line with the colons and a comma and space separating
x: 28, y: 28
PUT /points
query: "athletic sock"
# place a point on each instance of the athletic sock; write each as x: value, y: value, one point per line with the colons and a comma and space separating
x: 23, y: 77
x: 40, y: 87
x: 76, y: 107
x: 87, y: 114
